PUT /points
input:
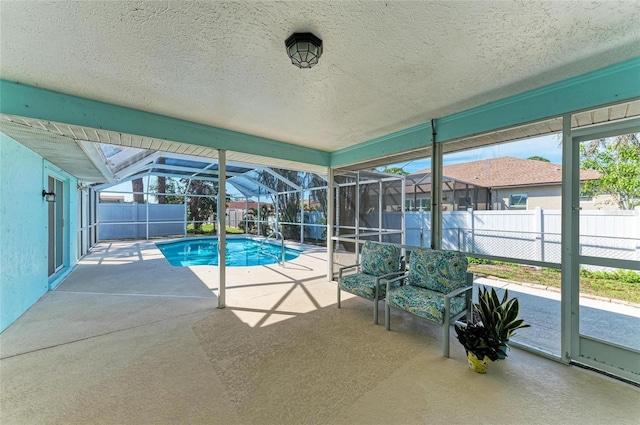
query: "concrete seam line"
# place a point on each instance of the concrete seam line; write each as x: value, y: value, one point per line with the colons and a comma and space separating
x: 136, y: 295
x: 103, y: 334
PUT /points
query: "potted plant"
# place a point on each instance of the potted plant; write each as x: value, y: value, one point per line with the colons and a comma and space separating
x: 500, y: 315
x: 481, y: 346
x: 487, y: 339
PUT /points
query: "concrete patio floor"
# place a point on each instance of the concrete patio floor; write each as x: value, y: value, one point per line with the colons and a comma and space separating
x: 129, y: 339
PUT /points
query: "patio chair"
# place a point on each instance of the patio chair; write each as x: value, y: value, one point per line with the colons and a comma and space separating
x: 437, y: 288
x: 378, y: 263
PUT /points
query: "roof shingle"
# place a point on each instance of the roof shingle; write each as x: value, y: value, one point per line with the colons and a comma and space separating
x: 508, y: 171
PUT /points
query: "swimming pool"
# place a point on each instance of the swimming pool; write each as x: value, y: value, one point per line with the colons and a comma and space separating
x: 240, y: 252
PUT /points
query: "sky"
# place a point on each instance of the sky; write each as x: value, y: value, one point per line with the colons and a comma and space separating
x: 545, y: 146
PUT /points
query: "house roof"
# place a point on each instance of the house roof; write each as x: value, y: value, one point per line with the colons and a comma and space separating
x: 508, y: 171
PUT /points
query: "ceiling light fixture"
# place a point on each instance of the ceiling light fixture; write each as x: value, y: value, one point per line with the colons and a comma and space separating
x: 304, y: 49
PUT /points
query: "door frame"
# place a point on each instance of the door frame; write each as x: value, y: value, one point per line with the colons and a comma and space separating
x: 576, y: 348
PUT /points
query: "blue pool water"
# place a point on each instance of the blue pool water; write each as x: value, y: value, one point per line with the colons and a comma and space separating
x: 240, y: 252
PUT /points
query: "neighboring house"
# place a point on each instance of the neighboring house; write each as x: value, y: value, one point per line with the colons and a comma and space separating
x: 236, y: 211
x: 510, y: 184
x: 111, y: 199
x: 242, y: 205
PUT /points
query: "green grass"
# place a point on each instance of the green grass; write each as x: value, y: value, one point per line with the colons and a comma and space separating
x: 621, y: 285
x: 209, y: 229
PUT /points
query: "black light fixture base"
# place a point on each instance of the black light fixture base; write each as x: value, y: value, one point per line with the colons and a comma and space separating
x: 304, y: 49
x: 48, y: 196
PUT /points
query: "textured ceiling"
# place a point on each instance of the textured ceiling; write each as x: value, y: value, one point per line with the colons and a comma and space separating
x: 386, y: 65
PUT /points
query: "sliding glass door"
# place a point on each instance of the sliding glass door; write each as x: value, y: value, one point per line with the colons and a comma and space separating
x: 56, y: 226
x: 606, y: 333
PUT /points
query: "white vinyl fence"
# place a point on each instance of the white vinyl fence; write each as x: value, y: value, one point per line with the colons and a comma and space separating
x: 129, y: 221
x: 530, y: 235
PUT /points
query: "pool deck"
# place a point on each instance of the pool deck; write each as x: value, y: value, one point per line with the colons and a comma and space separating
x: 129, y: 339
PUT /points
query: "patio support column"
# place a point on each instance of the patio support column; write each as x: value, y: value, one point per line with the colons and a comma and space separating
x: 436, y: 194
x: 380, y: 211
x: 277, y: 229
x: 97, y: 214
x: 357, y: 217
x: 186, y: 224
x: 92, y: 217
x: 403, y: 223
x: 259, y: 217
x: 302, y: 217
x: 222, y: 234
x: 329, y: 219
x: 246, y: 215
x: 570, y: 230
x: 336, y: 217
x: 186, y: 213
x: 147, y: 205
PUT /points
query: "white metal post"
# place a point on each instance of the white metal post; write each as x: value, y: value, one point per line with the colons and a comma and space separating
x: 380, y: 211
x: 259, y: 217
x: 538, y: 228
x: 246, y: 215
x: 357, y: 217
x: 436, y: 195
x: 186, y: 215
x: 147, y: 203
x: 277, y: 229
x: 222, y: 234
x: 302, y: 217
x: 570, y: 233
x: 330, y: 220
x: 403, y: 224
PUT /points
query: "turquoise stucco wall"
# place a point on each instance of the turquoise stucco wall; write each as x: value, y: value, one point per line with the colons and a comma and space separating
x: 23, y: 229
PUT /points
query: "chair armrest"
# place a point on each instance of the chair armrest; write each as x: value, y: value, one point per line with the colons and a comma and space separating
x: 387, y: 276
x: 398, y: 278
x: 458, y: 291
x: 346, y: 268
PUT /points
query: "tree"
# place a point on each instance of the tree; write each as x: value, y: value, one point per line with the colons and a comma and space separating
x: 289, y: 202
x: 618, y: 161
x: 319, y: 197
x: 538, y: 158
x: 201, y: 207
x: 171, y: 187
x: 137, y: 185
x: 162, y: 185
x: 395, y: 170
x: 251, y: 215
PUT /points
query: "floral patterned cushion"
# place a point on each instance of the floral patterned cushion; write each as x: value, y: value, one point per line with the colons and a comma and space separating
x: 441, y: 271
x: 364, y: 285
x: 423, y: 302
x: 379, y: 259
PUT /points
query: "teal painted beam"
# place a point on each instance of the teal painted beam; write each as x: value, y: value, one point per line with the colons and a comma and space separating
x: 408, y: 139
x: 616, y: 83
x: 34, y: 102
